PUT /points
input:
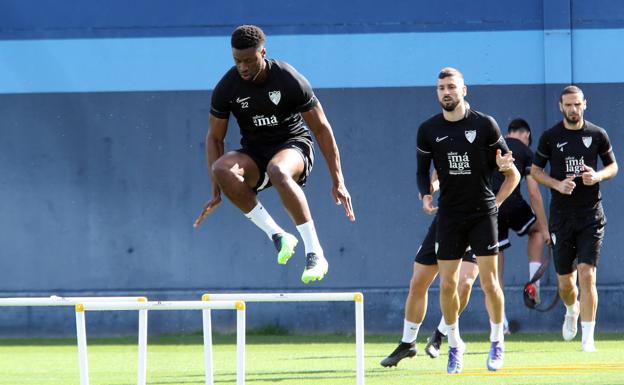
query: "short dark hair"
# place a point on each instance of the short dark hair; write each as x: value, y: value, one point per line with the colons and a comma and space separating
x: 447, y: 72
x: 520, y: 124
x: 247, y: 36
x: 571, y: 90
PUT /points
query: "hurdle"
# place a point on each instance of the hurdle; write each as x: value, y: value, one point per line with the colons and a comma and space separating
x: 356, y: 297
x: 55, y: 300
x: 143, y: 307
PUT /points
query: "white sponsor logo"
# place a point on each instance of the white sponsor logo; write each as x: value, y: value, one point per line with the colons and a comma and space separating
x: 441, y: 139
x: 275, y: 97
x: 239, y: 100
x: 471, y: 135
x: 560, y: 146
x: 261, y: 120
x: 458, y: 164
x: 491, y: 247
x: 574, y: 167
x: 587, y: 141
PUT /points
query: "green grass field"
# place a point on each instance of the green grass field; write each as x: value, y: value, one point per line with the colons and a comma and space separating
x: 300, y: 360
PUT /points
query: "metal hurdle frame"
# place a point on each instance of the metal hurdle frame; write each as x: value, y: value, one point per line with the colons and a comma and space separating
x: 143, y: 307
x: 356, y: 297
x: 60, y: 301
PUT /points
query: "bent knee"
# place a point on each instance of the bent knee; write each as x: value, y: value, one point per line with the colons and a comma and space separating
x: 278, y: 174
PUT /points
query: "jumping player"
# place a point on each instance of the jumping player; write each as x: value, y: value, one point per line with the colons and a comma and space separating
x: 577, y: 219
x: 466, y: 147
x: 270, y: 101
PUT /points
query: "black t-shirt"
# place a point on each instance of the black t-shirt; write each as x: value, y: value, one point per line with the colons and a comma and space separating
x: 464, y: 155
x: 567, y: 151
x: 523, y: 158
x: 267, y: 113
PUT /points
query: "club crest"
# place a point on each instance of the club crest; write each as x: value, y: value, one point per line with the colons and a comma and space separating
x: 275, y: 97
x: 587, y: 141
x: 471, y: 135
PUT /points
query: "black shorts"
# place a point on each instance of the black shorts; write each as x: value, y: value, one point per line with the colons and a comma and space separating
x: 516, y: 214
x: 426, y: 252
x: 263, y: 155
x: 456, y: 232
x: 576, y: 237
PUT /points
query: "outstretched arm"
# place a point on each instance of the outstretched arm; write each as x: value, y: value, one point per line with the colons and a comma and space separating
x: 318, y: 123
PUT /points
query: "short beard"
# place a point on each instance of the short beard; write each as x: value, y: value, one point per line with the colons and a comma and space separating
x: 450, y: 107
x: 570, y: 121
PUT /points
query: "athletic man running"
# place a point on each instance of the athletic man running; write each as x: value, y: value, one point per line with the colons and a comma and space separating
x: 577, y: 219
x: 515, y: 213
x: 466, y: 147
x: 424, y: 272
x: 270, y: 101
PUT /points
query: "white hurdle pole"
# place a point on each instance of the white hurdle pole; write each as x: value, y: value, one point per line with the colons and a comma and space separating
x: 164, y: 305
x: 357, y: 297
x: 60, y: 301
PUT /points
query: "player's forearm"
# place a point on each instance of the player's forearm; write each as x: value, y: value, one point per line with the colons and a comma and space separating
x: 329, y: 149
x: 537, y: 204
x: 512, y: 178
x: 535, y: 197
x: 608, y: 172
x: 214, y: 150
x: 540, y: 176
x: 423, y: 178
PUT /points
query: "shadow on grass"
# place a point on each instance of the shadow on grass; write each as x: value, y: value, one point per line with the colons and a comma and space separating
x: 197, y: 339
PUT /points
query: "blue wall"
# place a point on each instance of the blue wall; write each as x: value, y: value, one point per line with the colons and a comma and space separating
x: 103, y: 111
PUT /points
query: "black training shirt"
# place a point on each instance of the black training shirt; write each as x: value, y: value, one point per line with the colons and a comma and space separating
x: 567, y: 151
x: 523, y: 159
x: 267, y: 113
x: 464, y: 155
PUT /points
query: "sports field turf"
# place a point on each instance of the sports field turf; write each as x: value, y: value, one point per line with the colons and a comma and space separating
x: 299, y: 360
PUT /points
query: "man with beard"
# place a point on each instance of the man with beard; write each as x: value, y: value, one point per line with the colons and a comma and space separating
x: 577, y: 219
x: 271, y: 101
x: 466, y: 146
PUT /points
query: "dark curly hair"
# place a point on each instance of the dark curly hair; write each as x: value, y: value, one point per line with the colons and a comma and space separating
x: 247, y: 36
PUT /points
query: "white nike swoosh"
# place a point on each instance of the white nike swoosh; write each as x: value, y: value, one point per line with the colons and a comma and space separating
x: 559, y: 145
x: 441, y: 139
x: 492, y: 247
x: 239, y: 100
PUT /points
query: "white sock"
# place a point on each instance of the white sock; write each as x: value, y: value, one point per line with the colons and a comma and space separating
x: 587, y: 329
x: 454, y: 340
x: 410, y: 331
x: 261, y: 218
x: 572, y: 309
x: 496, y: 332
x: 533, y: 267
x: 310, y: 239
x: 443, y: 327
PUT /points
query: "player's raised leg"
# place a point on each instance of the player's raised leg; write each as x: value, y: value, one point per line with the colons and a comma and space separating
x: 237, y: 176
x: 284, y: 170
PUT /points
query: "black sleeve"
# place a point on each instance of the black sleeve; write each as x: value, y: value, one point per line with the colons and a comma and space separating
x: 542, y: 155
x: 423, y: 163
x: 605, y: 151
x: 304, y: 98
x: 220, y: 104
x: 495, y: 139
